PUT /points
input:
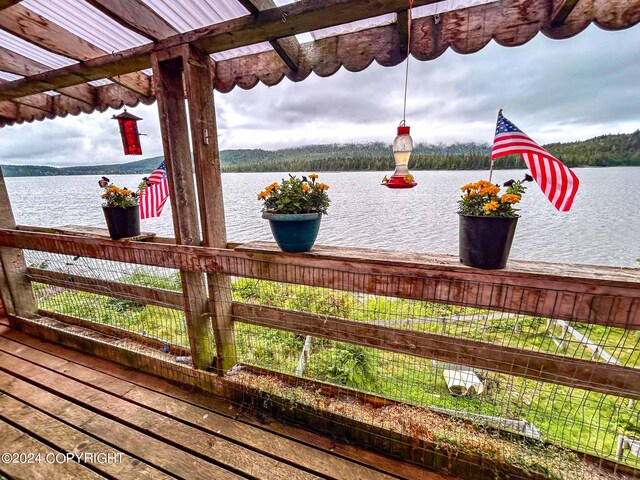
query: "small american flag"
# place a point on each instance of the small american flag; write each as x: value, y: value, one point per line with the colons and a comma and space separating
x: 154, y: 197
x: 558, y: 183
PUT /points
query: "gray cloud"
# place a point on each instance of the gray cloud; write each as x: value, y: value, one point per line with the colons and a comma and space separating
x: 553, y: 90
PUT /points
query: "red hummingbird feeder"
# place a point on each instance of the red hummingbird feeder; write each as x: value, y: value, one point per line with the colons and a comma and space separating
x: 128, y: 124
x: 402, y: 148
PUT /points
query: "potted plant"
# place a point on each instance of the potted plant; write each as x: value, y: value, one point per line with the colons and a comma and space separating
x: 121, y: 209
x: 488, y: 222
x: 294, y: 210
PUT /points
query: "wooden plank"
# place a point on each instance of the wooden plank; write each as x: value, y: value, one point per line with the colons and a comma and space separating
x: 222, y: 407
x: 119, y: 333
x: 247, y: 435
x: 224, y: 452
x: 22, y: 302
x: 125, y: 291
x: 571, y: 372
x: 137, y: 16
x: 36, y: 29
x: 14, y: 441
x: 152, y: 451
x: 608, y: 296
x: 67, y: 439
x: 561, y: 10
x: 204, y: 143
x: 98, y: 232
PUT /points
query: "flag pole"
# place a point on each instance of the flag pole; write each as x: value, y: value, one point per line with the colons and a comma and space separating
x: 492, y: 160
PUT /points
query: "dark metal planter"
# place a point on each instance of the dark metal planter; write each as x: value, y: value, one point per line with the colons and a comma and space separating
x: 294, y: 232
x: 485, y: 242
x: 122, y: 222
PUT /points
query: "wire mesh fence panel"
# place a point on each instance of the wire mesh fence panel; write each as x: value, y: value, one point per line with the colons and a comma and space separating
x: 126, y: 310
x: 477, y: 369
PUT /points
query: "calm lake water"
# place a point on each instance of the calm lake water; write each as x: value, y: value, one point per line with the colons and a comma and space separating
x: 603, y: 226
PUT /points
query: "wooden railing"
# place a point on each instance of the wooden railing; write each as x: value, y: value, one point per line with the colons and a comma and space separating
x: 595, y: 295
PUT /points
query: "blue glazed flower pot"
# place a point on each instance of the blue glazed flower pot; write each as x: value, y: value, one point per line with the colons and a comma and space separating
x: 294, y: 232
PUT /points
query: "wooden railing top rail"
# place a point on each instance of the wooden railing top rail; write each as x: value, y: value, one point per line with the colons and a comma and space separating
x: 268, y: 251
x: 604, y: 295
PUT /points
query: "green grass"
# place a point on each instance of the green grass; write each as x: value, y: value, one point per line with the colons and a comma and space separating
x: 586, y: 421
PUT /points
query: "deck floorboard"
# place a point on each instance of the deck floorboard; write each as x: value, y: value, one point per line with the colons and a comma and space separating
x: 72, y: 402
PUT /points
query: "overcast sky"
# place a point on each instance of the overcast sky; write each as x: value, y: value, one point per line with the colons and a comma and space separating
x: 553, y: 90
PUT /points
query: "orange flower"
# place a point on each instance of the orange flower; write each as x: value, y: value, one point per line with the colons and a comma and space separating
x: 322, y: 186
x: 489, y: 190
x: 491, y: 206
x: 305, y: 187
x: 263, y: 195
x: 313, y: 176
x: 510, y: 198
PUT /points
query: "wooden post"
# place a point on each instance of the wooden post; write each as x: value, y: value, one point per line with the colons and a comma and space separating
x: 204, y: 141
x: 15, y: 287
x: 177, y: 156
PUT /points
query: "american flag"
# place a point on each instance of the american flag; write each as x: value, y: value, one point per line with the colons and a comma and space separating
x: 154, y: 197
x: 558, y: 183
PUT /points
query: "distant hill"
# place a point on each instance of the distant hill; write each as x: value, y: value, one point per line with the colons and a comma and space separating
x: 145, y: 166
x: 602, y: 151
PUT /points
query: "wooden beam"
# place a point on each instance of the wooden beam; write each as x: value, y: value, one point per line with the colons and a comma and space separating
x: 402, y: 22
x: 117, y: 332
x: 177, y: 156
x: 561, y: 10
x: 9, y: 110
x: 38, y: 30
x: 607, y: 296
x: 287, y: 48
x: 206, y: 156
x: 18, y: 64
x: 20, y: 294
x: 8, y: 3
x: 571, y: 372
x: 137, y: 16
x: 125, y: 291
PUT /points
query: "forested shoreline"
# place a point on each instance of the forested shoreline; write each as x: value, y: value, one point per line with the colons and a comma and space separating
x: 601, y: 151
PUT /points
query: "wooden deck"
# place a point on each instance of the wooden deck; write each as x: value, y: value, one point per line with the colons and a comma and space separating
x: 54, y: 400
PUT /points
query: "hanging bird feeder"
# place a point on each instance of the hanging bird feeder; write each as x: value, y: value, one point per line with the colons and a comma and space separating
x: 403, y: 143
x: 128, y: 124
x: 402, y: 148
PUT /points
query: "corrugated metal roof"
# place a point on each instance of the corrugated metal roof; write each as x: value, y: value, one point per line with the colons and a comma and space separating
x: 354, y: 26
x: 189, y: 15
x: 238, y: 52
x: 9, y: 76
x: 99, y: 83
x: 87, y: 22
x: 29, y: 50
